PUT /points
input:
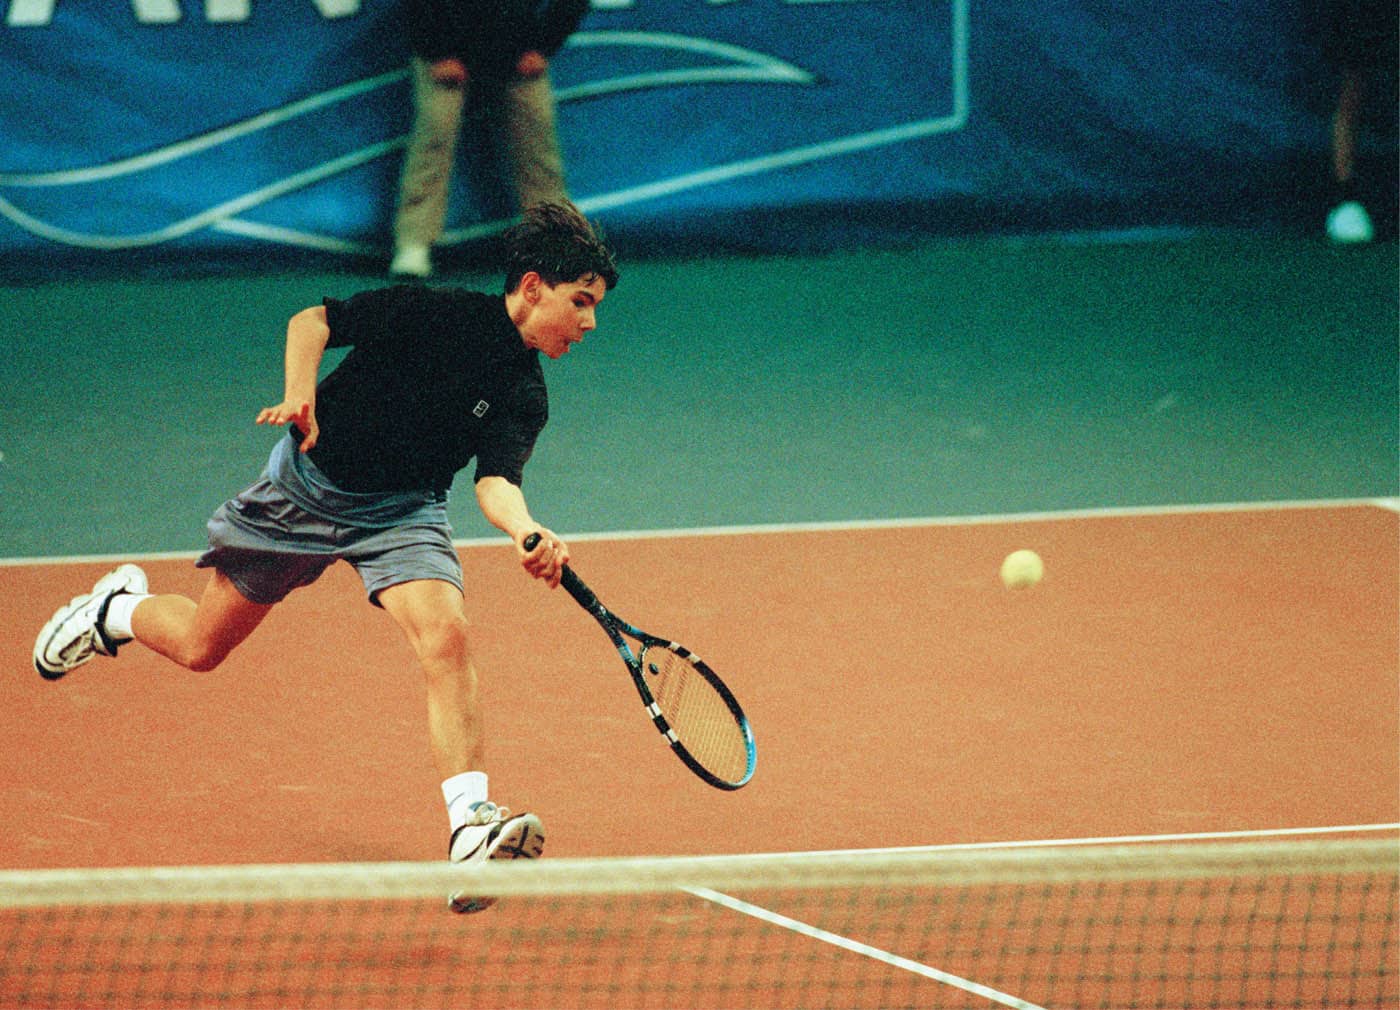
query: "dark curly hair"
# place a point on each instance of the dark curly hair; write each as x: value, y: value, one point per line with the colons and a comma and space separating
x: 557, y: 242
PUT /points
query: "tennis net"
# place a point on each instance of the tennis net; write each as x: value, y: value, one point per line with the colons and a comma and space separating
x: 1200, y: 924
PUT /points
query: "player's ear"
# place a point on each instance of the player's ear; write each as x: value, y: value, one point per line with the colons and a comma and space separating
x: 530, y: 285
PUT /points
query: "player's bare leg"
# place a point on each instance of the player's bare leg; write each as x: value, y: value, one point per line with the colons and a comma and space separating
x: 119, y: 609
x: 198, y: 636
x: 434, y: 618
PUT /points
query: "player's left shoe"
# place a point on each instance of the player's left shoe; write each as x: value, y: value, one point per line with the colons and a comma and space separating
x: 76, y: 632
x: 492, y: 833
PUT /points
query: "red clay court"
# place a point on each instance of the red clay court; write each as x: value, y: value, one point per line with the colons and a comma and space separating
x: 1178, y: 672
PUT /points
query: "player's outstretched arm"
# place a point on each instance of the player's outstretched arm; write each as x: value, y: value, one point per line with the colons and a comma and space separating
x: 307, y: 335
x: 503, y: 505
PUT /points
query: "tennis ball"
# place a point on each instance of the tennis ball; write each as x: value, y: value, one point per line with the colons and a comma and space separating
x: 1022, y: 569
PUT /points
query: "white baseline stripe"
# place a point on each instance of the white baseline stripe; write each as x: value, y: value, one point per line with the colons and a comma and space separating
x: 991, y: 519
x: 1092, y: 841
x: 834, y: 526
x: 845, y: 943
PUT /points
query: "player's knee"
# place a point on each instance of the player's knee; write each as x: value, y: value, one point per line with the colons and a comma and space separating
x: 201, y: 657
x: 443, y: 638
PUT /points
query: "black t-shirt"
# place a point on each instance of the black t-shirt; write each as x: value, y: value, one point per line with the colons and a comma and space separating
x: 433, y: 378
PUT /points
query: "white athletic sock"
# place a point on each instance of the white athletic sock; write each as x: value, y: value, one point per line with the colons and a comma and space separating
x: 118, y: 621
x: 460, y: 792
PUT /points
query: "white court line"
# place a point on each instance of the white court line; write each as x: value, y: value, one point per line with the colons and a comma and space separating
x: 957, y: 981
x: 1050, y: 843
x: 834, y: 526
x: 992, y: 519
x: 845, y: 943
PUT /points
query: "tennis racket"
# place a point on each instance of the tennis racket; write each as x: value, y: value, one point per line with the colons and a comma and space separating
x: 693, y: 709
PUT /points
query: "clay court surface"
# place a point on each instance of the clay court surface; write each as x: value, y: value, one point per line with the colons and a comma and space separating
x: 1182, y: 671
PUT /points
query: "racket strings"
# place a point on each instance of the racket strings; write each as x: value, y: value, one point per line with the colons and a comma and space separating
x: 698, y: 714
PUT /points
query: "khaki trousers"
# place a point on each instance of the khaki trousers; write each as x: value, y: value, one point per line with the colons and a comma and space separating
x: 527, y: 119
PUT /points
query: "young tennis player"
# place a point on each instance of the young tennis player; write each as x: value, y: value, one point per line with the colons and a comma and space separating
x: 433, y: 379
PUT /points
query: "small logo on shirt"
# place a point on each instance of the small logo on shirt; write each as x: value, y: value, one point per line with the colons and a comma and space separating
x: 481, y: 408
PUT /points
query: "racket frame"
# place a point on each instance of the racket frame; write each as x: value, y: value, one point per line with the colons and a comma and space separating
x: 616, y: 628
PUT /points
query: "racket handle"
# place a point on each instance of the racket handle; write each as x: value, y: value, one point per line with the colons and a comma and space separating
x: 580, y: 592
x: 585, y: 596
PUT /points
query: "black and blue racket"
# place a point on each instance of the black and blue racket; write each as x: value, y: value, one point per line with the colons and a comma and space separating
x: 694, y: 710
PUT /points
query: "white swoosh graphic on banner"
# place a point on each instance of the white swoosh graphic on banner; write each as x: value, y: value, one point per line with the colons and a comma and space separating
x: 202, y: 142
x: 742, y: 66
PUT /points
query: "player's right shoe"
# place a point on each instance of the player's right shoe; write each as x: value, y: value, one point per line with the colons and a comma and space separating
x: 492, y: 833
x: 76, y: 632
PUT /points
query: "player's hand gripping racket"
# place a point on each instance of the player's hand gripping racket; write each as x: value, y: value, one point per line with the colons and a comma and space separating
x: 694, y: 710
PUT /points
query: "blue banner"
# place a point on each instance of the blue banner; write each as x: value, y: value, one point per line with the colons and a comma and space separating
x: 175, y: 128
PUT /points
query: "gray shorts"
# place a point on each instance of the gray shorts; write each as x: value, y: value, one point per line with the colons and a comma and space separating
x: 267, y: 546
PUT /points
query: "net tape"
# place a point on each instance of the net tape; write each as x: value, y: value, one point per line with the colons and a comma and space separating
x: 623, y: 875
x: 1295, y: 924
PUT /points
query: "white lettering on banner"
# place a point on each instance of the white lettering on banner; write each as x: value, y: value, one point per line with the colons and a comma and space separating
x: 156, y: 12
x: 39, y: 13
x: 623, y: 5
x: 227, y: 10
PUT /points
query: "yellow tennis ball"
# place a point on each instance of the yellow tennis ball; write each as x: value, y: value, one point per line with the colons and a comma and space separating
x: 1022, y: 569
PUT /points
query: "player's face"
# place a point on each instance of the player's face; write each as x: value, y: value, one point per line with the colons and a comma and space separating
x: 560, y: 315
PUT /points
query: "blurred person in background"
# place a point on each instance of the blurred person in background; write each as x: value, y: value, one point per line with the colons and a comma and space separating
x: 1359, y: 44
x: 495, y: 52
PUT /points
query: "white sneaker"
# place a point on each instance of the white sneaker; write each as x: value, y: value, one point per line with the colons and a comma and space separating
x: 412, y: 260
x: 1348, y: 222
x: 492, y: 833
x: 75, y: 633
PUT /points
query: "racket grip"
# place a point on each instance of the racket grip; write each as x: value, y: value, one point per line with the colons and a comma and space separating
x: 580, y: 592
